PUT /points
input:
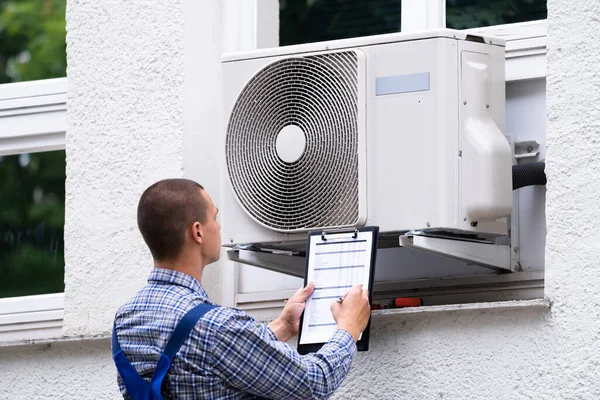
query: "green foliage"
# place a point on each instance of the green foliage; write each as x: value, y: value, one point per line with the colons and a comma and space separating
x: 32, y: 40
x: 305, y: 21
x: 32, y: 215
x: 465, y: 14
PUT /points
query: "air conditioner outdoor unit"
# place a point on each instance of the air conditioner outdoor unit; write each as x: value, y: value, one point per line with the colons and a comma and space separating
x: 403, y: 131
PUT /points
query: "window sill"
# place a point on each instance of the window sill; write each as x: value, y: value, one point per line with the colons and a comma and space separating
x: 31, y: 317
x: 543, y: 304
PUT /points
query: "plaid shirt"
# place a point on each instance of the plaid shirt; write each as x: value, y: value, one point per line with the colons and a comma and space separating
x: 227, y: 355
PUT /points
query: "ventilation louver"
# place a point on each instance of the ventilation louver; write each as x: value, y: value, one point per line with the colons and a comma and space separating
x: 292, y: 145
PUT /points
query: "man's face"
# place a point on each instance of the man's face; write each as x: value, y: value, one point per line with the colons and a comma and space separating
x: 211, y: 232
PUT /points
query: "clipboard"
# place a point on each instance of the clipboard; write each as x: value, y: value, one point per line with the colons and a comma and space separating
x: 335, y: 260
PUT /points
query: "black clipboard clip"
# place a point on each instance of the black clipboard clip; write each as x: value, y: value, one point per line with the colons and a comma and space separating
x: 354, y: 233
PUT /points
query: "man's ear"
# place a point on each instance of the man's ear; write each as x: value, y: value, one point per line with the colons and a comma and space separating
x: 197, y: 232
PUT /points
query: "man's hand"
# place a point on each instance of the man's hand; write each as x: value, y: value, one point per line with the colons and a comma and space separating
x: 352, y: 314
x: 287, y: 324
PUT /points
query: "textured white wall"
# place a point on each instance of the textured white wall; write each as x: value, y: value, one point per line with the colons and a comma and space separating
x: 125, y: 115
x: 143, y: 95
x: 76, y: 370
x: 127, y: 131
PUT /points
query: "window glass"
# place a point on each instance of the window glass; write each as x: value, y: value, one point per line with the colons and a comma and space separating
x: 32, y: 40
x: 305, y: 21
x: 32, y: 217
x: 466, y: 14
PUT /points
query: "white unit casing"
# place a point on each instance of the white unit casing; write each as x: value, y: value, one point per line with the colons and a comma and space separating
x: 403, y: 131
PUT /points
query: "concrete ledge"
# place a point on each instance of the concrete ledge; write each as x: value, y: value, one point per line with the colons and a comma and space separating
x: 499, y: 305
x: 55, y: 340
x: 543, y: 304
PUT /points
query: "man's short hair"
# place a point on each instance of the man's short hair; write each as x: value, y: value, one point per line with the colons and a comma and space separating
x: 165, y: 211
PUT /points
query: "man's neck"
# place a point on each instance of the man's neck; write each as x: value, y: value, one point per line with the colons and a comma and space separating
x: 194, y: 269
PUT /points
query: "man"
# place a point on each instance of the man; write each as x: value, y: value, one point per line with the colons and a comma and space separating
x: 227, y: 355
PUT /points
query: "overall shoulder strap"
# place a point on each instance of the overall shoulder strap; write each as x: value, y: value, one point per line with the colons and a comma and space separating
x: 181, y: 333
x: 136, y: 386
x: 185, y: 326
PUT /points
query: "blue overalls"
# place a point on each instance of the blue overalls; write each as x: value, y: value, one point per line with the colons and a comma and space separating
x: 136, y: 386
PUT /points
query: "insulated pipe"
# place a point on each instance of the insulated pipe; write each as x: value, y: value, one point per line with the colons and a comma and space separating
x: 528, y: 174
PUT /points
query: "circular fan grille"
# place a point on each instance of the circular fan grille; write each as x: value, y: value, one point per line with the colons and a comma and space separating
x: 314, y: 184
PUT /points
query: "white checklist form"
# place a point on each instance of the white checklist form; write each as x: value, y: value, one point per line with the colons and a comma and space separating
x: 335, y: 262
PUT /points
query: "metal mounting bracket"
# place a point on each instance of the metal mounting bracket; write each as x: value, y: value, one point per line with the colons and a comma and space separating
x: 284, y: 263
x: 526, y: 149
x: 492, y: 256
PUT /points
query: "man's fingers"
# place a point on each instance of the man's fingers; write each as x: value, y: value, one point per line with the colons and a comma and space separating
x: 308, y: 289
x: 304, y: 292
x: 334, y: 306
x: 355, y: 290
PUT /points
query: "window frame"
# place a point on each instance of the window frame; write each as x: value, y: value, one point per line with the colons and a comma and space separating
x: 33, y: 118
x: 525, y: 59
x: 525, y: 48
x: 423, y: 14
